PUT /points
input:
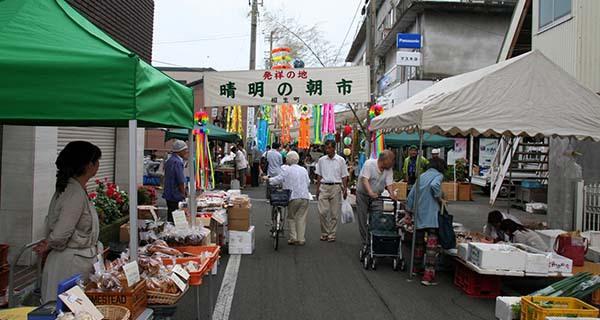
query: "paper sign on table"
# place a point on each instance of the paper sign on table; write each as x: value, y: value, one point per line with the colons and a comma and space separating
x: 76, y: 300
x: 181, y: 272
x: 180, y: 284
x: 132, y: 273
x: 180, y: 220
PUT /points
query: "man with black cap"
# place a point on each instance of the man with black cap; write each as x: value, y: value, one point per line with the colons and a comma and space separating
x: 410, y: 165
x: 174, y: 188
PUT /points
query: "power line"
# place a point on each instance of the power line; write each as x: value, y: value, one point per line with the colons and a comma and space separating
x: 348, y: 32
x: 205, y: 39
x: 167, y: 63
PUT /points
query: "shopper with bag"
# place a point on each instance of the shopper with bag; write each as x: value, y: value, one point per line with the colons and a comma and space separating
x: 375, y: 177
x: 429, y: 203
x: 295, y: 178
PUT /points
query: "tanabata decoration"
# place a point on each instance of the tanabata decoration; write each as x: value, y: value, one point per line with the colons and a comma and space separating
x: 287, y: 118
x: 281, y: 58
x: 205, y: 178
x: 234, y: 120
x: 298, y: 64
x: 328, y: 119
x: 262, y: 134
x: 347, y: 152
x: 347, y: 130
x: 304, y: 133
x: 347, y: 141
x: 376, y: 136
x: 317, y: 123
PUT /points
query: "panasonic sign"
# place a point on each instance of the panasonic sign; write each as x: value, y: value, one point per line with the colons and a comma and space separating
x: 408, y: 40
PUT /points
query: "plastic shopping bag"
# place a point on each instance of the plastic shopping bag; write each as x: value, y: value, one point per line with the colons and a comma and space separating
x: 347, y: 212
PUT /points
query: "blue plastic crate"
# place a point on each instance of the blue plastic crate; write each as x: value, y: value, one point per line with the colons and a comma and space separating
x: 531, y: 184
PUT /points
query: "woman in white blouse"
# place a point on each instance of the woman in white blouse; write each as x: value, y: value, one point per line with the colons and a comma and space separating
x: 295, y: 178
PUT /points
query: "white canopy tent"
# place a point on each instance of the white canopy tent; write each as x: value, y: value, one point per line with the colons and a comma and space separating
x: 525, y: 96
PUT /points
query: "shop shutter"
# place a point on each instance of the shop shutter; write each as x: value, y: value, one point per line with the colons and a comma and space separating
x: 104, y: 138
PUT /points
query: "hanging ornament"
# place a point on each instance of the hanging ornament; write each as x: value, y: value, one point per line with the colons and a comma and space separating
x: 201, y: 117
x: 298, y: 64
x: 347, y: 152
x: 281, y: 58
x: 204, y: 172
x: 347, y: 130
x: 287, y: 117
x: 375, y: 110
x: 328, y: 119
x: 347, y: 141
x: 317, y: 118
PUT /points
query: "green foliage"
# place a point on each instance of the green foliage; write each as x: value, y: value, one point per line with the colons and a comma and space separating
x: 147, y: 195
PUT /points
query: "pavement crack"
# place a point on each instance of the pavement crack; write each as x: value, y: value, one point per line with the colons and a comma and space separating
x: 454, y: 302
x: 378, y: 295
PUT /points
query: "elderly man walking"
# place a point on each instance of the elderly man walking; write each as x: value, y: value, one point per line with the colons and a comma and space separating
x: 295, y: 178
x: 332, y: 183
x: 376, y: 176
x: 175, y: 180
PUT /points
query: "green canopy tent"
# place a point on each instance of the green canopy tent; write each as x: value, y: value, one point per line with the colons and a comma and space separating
x: 214, y: 133
x: 399, y: 140
x: 61, y: 70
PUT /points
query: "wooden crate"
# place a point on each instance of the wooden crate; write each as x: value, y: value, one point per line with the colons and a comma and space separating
x: 450, y: 190
x: 135, y: 298
x: 401, y: 189
x: 465, y: 191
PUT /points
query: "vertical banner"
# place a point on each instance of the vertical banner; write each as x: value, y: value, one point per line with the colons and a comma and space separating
x: 487, y: 152
x: 250, y: 123
x: 459, y: 152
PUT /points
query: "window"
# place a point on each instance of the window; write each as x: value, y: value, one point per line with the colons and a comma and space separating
x: 553, y: 12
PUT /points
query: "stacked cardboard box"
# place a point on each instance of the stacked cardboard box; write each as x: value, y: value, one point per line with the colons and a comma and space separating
x: 239, y: 218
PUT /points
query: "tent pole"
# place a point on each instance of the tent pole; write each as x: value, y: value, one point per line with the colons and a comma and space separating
x: 192, y: 172
x: 416, y: 205
x: 133, y: 218
x: 471, y: 156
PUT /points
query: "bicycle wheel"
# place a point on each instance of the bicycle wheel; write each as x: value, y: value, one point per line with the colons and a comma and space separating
x: 277, y: 228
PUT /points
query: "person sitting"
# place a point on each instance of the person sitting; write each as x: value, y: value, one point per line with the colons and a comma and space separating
x: 517, y: 233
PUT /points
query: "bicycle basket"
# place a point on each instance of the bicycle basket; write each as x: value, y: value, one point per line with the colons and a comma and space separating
x: 280, y: 198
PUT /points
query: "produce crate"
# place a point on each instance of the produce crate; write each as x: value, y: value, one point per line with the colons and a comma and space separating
x: 205, y: 268
x: 134, y: 299
x: 538, y: 308
x: 450, y: 190
x: 401, y: 189
x: 474, y: 284
x: 3, y: 254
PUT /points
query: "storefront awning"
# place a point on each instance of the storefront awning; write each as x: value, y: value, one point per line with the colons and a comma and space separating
x: 214, y: 133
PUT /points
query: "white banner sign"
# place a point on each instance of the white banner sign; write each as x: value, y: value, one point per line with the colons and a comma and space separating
x: 487, y: 151
x: 310, y: 86
x: 406, y: 58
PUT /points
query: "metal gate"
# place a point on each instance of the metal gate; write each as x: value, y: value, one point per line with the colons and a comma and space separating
x: 589, y: 204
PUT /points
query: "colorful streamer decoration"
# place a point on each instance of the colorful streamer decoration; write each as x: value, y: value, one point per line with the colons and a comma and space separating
x: 347, y: 130
x: 304, y: 134
x: 328, y: 127
x: 234, y: 120
x: 317, y: 123
x: 376, y: 136
x: 262, y: 134
x: 287, y: 118
x: 205, y: 178
x: 281, y: 58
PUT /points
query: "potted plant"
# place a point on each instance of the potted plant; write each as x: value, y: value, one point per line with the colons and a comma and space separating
x: 464, y: 187
x: 147, y: 195
x: 112, y: 204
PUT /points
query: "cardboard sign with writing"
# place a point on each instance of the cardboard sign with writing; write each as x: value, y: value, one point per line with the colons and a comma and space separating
x: 181, y: 272
x: 181, y: 222
x: 180, y: 284
x: 76, y: 300
x: 132, y: 273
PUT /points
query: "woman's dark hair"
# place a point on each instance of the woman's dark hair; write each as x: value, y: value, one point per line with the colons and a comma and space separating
x: 438, y: 164
x: 510, y: 227
x: 495, y: 217
x: 73, y: 160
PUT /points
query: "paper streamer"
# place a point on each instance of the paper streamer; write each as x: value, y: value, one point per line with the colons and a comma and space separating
x: 317, y: 122
x: 304, y: 135
x: 328, y: 119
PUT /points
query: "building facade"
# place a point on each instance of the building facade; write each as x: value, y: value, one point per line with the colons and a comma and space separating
x: 28, y: 153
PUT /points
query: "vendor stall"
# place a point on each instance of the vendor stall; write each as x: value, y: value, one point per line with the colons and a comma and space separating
x: 524, y: 96
x: 214, y: 133
x: 97, y: 82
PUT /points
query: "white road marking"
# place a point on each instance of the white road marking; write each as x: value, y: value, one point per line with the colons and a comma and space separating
x: 223, y: 305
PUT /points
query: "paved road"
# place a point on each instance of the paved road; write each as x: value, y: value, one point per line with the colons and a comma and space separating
x: 325, y: 280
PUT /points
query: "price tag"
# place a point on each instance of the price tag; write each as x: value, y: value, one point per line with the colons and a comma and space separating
x: 132, y: 273
x: 181, y: 223
x: 76, y: 300
x: 180, y: 284
x: 181, y: 272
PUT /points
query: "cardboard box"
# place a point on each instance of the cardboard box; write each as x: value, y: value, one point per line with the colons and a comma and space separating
x: 124, y: 232
x: 504, y: 309
x: 242, y: 242
x: 238, y: 219
x: 401, y: 189
x: 497, y: 257
x: 537, y: 262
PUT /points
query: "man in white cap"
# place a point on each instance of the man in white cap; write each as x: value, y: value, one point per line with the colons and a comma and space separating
x: 174, y: 188
x: 435, y: 153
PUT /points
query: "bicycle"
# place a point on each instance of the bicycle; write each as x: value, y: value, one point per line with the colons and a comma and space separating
x: 279, y: 199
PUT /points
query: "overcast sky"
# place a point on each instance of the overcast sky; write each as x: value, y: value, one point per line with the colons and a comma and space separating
x: 216, y: 33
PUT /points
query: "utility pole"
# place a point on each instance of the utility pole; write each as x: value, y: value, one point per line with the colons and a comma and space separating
x: 371, y: 18
x: 270, y: 64
x: 253, y: 24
